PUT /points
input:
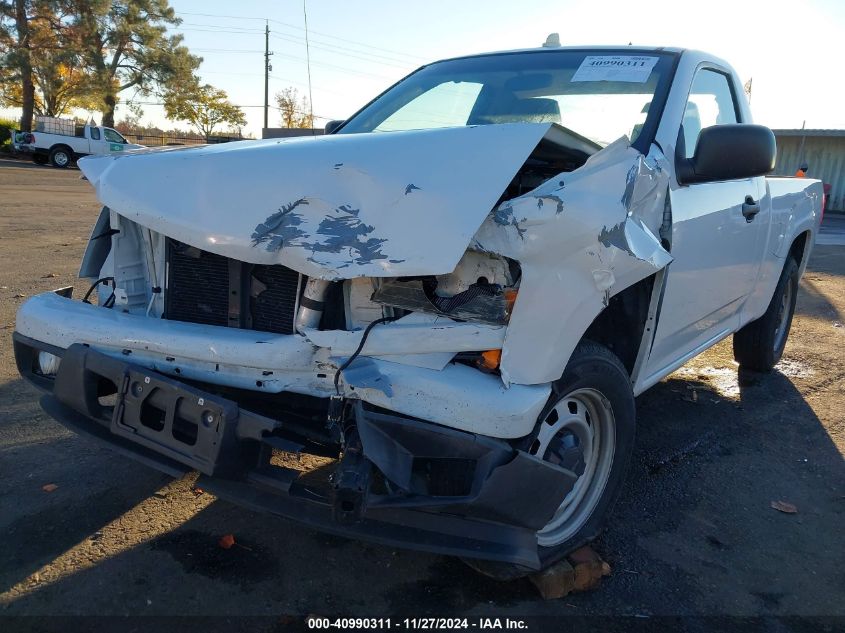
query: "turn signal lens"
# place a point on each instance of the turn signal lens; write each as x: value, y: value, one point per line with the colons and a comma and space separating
x: 490, y: 359
x: 510, y: 299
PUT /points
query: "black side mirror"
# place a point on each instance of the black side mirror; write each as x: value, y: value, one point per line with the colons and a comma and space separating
x: 331, y: 126
x: 729, y: 152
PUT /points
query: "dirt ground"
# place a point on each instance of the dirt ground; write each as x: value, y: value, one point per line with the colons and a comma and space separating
x: 692, y: 535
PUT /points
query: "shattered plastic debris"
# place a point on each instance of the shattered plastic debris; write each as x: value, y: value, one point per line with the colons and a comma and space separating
x: 784, y: 506
x: 49, y: 487
x: 226, y: 541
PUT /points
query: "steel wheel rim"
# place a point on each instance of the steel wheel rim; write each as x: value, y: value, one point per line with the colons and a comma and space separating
x: 783, y: 315
x: 61, y: 158
x: 588, y: 416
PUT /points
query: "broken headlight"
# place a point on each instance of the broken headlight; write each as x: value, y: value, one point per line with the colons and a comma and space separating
x: 481, y: 289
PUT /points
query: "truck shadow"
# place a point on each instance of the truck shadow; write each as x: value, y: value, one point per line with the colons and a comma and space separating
x: 694, y: 514
x: 813, y: 299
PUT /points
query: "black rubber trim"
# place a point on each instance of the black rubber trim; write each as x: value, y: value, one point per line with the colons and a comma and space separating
x: 312, y: 304
x: 409, y: 529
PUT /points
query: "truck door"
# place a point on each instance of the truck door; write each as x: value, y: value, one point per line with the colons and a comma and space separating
x: 718, y: 229
x: 116, y: 143
x: 96, y: 143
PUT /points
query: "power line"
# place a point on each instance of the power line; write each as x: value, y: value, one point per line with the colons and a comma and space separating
x: 299, y: 28
x: 225, y: 50
x: 339, y: 50
x: 326, y: 46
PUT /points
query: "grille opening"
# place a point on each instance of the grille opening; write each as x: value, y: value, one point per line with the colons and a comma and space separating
x: 273, y: 298
x: 198, y: 285
x: 214, y: 290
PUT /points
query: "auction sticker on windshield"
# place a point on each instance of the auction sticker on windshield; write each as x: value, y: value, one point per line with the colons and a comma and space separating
x: 633, y: 68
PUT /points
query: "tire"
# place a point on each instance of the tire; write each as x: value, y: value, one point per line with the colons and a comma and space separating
x: 61, y: 157
x: 40, y: 159
x: 595, y: 390
x: 759, y: 345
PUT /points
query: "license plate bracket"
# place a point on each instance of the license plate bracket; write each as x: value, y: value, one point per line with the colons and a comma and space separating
x: 189, y: 425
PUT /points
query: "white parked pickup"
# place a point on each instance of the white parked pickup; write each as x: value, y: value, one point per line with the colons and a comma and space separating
x: 456, y: 294
x: 61, y: 142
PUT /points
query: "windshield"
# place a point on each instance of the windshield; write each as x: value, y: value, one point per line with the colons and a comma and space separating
x: 599, y: 94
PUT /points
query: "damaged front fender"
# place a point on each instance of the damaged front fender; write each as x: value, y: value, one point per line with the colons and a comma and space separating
x: 580, y: 238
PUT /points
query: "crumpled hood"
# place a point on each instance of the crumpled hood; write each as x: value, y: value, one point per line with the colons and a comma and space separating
x: 336, y: 207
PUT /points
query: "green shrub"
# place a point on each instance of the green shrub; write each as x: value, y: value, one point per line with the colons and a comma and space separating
x: 6, y: 127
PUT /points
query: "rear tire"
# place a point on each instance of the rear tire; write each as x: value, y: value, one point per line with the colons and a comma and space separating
x: 60, y: 157
x: 588, y: 426
x: 759, y: 345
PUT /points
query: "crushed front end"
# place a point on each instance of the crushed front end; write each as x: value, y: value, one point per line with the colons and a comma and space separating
x: 361, y: 345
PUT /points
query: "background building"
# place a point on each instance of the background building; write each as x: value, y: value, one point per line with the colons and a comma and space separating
x: 823, y: 151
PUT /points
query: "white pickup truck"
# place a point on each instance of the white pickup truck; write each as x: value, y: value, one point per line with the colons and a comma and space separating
x: 61, y: 141
x: 449, y: 302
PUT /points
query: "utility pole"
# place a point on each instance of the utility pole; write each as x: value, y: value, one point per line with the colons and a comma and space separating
x: 267, y: 69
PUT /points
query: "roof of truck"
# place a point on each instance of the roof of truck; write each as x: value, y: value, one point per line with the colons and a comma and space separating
x: 603, y: 47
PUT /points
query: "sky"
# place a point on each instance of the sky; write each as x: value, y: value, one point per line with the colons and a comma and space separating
x: 357, y: 49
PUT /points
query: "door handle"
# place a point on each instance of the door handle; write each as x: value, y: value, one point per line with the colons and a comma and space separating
x: 750, y: 208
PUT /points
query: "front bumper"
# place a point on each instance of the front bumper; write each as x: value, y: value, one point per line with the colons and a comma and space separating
x: 456, y: 395
x: 425, y: 487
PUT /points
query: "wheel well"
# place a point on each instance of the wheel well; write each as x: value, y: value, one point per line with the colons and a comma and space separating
x: 799, y: 246
x: 620, y: 325
x: 62, y: 145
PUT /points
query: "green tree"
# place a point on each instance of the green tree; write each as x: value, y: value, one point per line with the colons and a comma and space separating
x: 15, y: 16
x: 295, y: 112
x: 203, y: 106
x: 126, y: 45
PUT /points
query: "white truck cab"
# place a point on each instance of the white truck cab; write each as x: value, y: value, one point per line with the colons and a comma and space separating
x: 62, y: 141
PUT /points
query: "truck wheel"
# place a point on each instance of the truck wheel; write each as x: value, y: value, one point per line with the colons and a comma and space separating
x: 759, y: 344
x: 588, y: 427
x: 60, y: 157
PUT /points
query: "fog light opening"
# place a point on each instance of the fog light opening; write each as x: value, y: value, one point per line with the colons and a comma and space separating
x: 48, y: 364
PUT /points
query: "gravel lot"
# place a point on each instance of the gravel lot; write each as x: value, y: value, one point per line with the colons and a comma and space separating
x: 692, y: 535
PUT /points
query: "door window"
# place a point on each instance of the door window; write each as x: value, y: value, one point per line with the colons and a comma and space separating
x: 95, y: 133
x: 112, y: 136
x: 711, y: 102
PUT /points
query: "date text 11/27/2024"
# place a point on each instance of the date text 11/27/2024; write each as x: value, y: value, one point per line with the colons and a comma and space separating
x: 427, y: 623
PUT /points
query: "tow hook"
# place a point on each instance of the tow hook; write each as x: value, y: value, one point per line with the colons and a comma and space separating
x: 351, y: 481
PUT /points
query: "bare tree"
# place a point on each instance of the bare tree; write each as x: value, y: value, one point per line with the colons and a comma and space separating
x: 295, y: 112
